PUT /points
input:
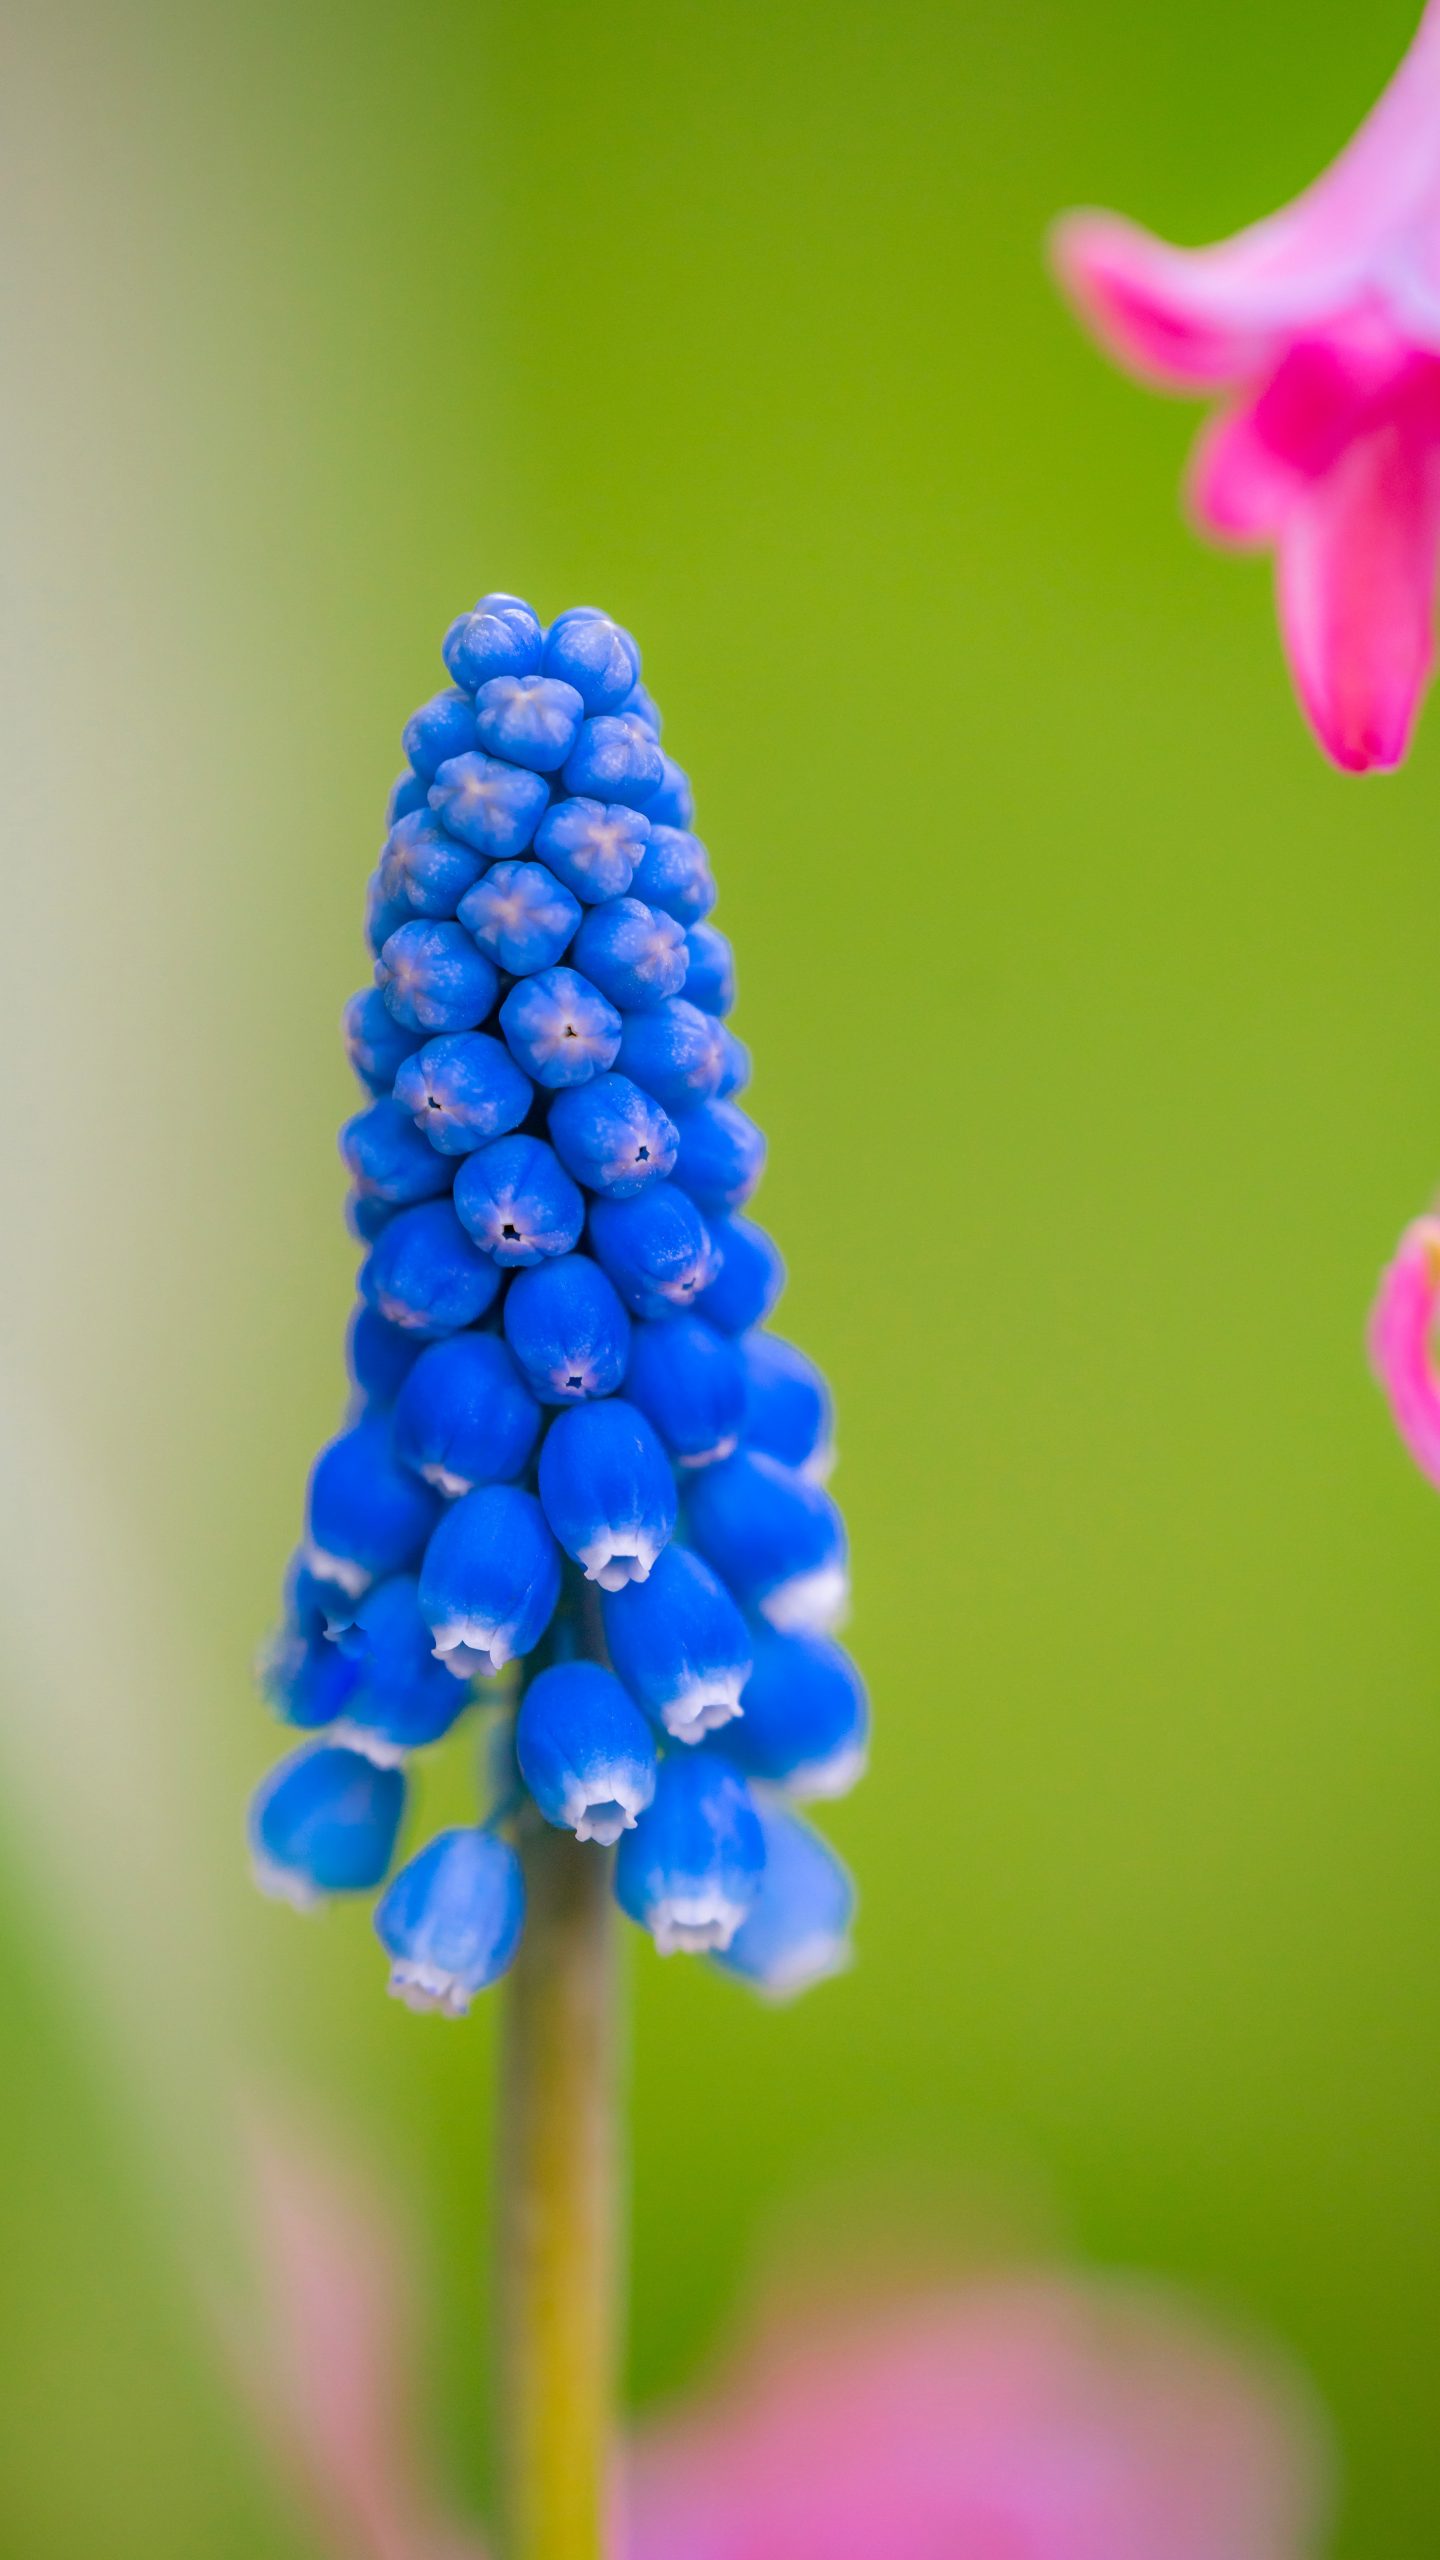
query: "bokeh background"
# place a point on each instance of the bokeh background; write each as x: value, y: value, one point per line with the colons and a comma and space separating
x: 1095, y: 1028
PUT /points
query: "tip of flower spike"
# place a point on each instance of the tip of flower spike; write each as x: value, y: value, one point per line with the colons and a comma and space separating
x: 703, y: 1708
x: 810, y: 1603
x: 427, y: 1990
x: 698, y: 1924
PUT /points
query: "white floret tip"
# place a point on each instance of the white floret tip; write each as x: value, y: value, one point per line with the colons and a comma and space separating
x: 702, y: 1708
x: 426, y: 1987
x: 809, y: 1604
x: 695, y: 1924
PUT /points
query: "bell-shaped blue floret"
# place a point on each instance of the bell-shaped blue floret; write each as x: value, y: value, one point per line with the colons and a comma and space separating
x: 567, y: 1329
x: 424, y: 869
x: 613, y: 1137
x: 592, y: 846
x: 463, y: 1090
x: 636, y: 955
x: 529, y: 720
x: 710, y: 976
x: 748, y: 1278
x: 490, y: 1580
x: 365, y: 1514
x: 805, y: 1718
x: 788, y: 1412
x: 680, y: 1645
x: 596, y: 656
x: 465, y: 1415
x: 776, y: 1539
x: 614, y: 759
x: 674, y: 803
x: 442, y: 727
x: 674, y: 1051
x: 690, y: 1870
x: 424, y: 1273
x: 585, y: 1751
x: 325, y: 1822
x: 518, y: 1202
x: 492, y: 806
x: 797, y: 1930
x: 387, y: 1157
x: 521, y: 915
x: 434, y: 979
x: 452, y: 1919
x: 560, y: 1028
x: 734, y: 1063
x: 379, y: 1356
x: 674, y: 875
x: 403, y: 1697
x: 301, y: 1670
x: 721, y: 1156
x: 656, y: 1248
x: 375, y: 1043
x: 689, y: 1381
x: 407, y: 793
x: 502, y: 637
x: 607, y: 1491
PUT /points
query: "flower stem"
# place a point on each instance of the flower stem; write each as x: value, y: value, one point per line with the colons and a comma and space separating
x: 559, y: 2261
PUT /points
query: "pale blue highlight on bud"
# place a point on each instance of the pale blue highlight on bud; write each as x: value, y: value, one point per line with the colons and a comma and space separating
x: 674, y: 875
x: 595, y: 656
x: 721, y: 1156
x: 529, y: 720
x: 425, y: 870
x: 797, y: 1930
x: 673, y: 1050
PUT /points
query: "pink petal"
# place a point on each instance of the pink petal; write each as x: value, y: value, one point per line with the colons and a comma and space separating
x: 1137, y: 295
x: 1356, y: 576
x: 1402, y: 1333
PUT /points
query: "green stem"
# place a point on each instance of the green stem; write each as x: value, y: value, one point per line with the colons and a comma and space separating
x: 559, y: 2260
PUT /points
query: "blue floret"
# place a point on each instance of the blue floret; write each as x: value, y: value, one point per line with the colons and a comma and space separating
x: 441, y: 728
x: 434, y: 979
x: 424, y: 1274
x: 674, y: 874
x: 561, y: 1030
x: 502, y: 637
x: 388, y: 1158
x: 614, y: 759
x: 607, y: 1490
x: 522, y: 916
x: 492, y: 806
x: 567, y: 1329
x: 585, y: 1751
x: 464, y: 1415
x: 797, y: 1930
x: 595, y: 656
x: 690, y: 1870
x: 518, y: 1202
x: 325, y: 1822
x: 592, y: 847
x: 451, y: 1921
x: 612, y: 1137
x: 710, y: 973
x: 375, y: 1043
x: 529, y: 720
x: 636, y: 955
x: 655, y: 1247
x: 463, y: 1090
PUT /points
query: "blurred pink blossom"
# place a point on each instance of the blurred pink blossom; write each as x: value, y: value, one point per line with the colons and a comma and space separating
x: 1022, y: 2418
x: 1402, y: 1334
x: 1319, y: 329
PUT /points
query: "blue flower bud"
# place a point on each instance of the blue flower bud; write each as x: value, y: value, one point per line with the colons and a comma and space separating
x: 777, y: 1540
x: 805, y: 1719
x: 690, y: 1382
x: 325, y: 1821
x: 567, y: 1329
x: 452, y: 1920
x: 385, y: 912
x: 788, y: 1412
x: 690, y: 1870
x: 585, y: 1751
x: 464, y: 1415
x: 529, y: 720
x: 521, y: 915
x: 502, y: 637
x: 674, y: 1051
x: 614, y: 759
x: 441, y: 728
x: 797, y: 1930
x: 424, y: 870
x: 303, y: 1674
x: 592, y: 846
x: 613, y: 1137
x: 387, y: 1157
x: 490, y: 1580
x: 434, y: 979
x: 594, y: 655
x: 680, y: 1645
x: 493, y: 806
x: 559, y: 1027
x: 710, y: 975
x: 375, y: 1043
x: 607, y: 1491
x: 674, y: 874
x: 656, y: 1249
x: 636, y: 955
x: 749, y: 1278
x: 642, y: 706
x: 366, y: 1515
x: 403, y: 1697
x: 424, y: 1274
x: 463, y: 1090
x: 674, y: 802
x: 721, y: 1157
x: 366, y: 1216
x: 519, y: 1203
x: 380, y: 1357
x: 407, y: 792
x: 734, y: 1063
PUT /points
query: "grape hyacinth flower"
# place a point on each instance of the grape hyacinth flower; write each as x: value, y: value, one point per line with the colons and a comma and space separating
x: 1318, y: 331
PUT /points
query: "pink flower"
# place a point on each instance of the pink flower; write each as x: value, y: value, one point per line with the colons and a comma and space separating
x: 1402, y: 1333
x: 1320, y: 331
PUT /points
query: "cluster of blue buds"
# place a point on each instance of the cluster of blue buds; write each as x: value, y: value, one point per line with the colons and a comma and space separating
x: 578, y: 1478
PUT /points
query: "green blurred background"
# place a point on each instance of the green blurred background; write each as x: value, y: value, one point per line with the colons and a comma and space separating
x: 1094, y: 1026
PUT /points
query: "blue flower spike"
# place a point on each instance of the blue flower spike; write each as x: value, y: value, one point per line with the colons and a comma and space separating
x: 564, y: 1413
